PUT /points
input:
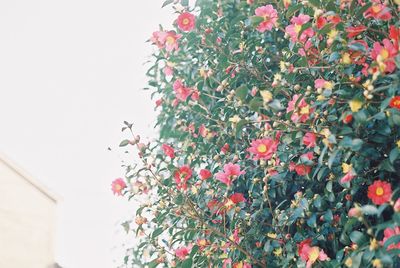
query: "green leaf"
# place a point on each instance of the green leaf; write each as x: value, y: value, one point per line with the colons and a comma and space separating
x: 394, y: 154
x: 167, y: 2
x: 157, y: 232
x: 241, y: 92
x: 369, y: 210
x: 255, y: 104
x: 188, y: 263
x: 358, y: 237
x: 255, y: 20
x: 386, y: 165
x: 124, y: 143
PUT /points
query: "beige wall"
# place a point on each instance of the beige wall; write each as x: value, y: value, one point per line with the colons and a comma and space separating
x: 27, y: 221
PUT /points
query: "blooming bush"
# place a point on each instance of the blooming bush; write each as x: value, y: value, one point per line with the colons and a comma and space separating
x: 279, y: 137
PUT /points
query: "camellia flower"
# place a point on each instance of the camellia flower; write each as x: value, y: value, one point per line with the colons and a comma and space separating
x: 302, y: 169
x: 270, y: 16
x: 389, y: 232
x: 186, y: 21
x: 321, y: 83
x: 384, y: 55
x: 169, y: 40
x: 354, y: 31
x: 380, y: 192
x: 181, y: 176
x: 182, y: 252
x: 205, y: 174
x: 181, y: 92
x: 117, y: 186
x: 310, y: 254
x: 294, y: 29
x: 309, y: 139
x: 230, y: 173
x: 263, y: 148
x: 378, y: 11
x: 237, y: 198
x: 395, y: 102
x: 168, y: 150
x: 241, y: 264
x: 349, y: 173
x: 302, y: 112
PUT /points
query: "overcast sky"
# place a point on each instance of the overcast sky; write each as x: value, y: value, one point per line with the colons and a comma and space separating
x: 70, y: 73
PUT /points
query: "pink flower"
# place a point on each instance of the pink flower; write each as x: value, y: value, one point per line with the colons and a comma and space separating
x: 302, y: 112
x: 168, y: 150
x: 230, y: 173
x: 270, y: 16
x: 203, y: 131
x: 389, y: 232
x: 294, y: 29
x: 181, y: 92
x: 168, y: 70
x: 205, y: 174
x: 310, y: 254
x: 169, y: 40
x: 321, y: 83
x: 355, y: 212
x: 241, y: 264
x: 117, y: 186
x: 186, y: 21
x: 347, y: 177
x: 181, y: 176
x: 378, y: 11
x: 156, y: 39
x: 384, y: 55
x: 380, y: 192
x: 263, y: 148
x: 309, y: 139
x: 182, y: 252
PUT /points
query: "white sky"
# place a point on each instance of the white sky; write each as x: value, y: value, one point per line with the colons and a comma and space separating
x: 70, y: 73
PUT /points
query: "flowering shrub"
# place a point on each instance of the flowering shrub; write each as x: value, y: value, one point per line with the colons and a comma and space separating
x: 279, y: 137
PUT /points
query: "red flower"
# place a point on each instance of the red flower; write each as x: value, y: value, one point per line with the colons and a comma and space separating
x: 205, y: 174
x: 168, y: 150
x: 378, y: 11
x: 395, y: 102
x: 186, y: 21
x: 384, y: 55
x: 181, y: 176
x: 380, y: 192
x: 348, y: 118
x: 309, y: 139
x: 263, y: 148
x: 117, y: 186
x: 237, y: 198
x: 182, y: 252
x: 301, y: 111
x: 310, y: 254
x: 354, y: 31
x: 302, y: 169
x: 181, y: 92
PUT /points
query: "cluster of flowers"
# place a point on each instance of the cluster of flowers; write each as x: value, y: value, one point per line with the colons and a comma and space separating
x: 325, y: 88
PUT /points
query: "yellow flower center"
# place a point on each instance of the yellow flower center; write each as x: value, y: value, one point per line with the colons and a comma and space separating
x: 379, y: 191
x: 376, y: 8
x: 384, y: 53
x: 314, y: 254
x: 396, y: 103
x: 185, y: 21
x: 297, y: 28
x: 305, y: 110
x: 170, y: 40
x: 118, y: 187
x: 262, y: 148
